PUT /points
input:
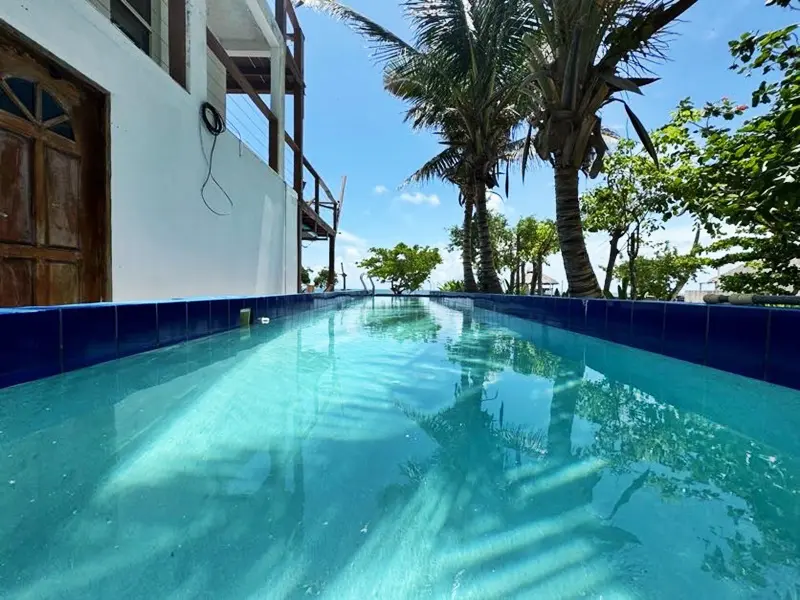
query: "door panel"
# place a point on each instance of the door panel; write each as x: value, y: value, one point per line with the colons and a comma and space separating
x: 63, y: 193
x: 16, y: 282
x: 64, y: 282
x: 16, y: 214
x: 54, y: 225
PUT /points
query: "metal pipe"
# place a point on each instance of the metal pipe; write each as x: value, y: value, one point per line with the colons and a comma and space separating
x: 750, y: 299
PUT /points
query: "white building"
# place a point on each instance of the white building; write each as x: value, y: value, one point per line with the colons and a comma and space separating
x: 103, y: 151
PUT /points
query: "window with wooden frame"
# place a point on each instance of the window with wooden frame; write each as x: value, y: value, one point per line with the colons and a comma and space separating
x: 137, y: 20
x: 158, y: 27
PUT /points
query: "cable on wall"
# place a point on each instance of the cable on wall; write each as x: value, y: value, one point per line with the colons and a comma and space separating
x: 215, y: 124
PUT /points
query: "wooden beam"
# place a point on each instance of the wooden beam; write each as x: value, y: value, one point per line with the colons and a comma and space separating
x: 292, y: 17
x: 337, y: 211
x: 293, y: 66
x: 176, y: 20
x: 218, y: 51
x: 317, y: 221
x: 280, y: 15
x: 299, y: 104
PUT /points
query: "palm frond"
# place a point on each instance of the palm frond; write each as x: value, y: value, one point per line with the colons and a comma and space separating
x: 388, y: 47
x: 444, y: 165
x: 638, y: 34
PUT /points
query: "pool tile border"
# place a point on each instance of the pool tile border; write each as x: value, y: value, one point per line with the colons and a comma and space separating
x: 40, y: 342
x: 756, y: 342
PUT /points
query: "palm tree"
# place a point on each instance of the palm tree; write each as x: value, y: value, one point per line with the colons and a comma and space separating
x: 463, y: 78
x: 579, y: 57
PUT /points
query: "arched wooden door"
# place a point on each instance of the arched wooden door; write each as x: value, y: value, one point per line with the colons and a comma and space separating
x: 53, y: 208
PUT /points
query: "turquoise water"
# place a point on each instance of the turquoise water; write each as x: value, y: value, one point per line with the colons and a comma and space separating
x: 399, y: 449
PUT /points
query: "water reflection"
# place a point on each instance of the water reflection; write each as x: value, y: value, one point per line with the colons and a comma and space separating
x: 741, y: 496
x: 401, y: 319
x: 405, y: 452
x: 689, y: 459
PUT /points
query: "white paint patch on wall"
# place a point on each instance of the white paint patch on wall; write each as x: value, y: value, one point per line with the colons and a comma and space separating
x: 165, y: 243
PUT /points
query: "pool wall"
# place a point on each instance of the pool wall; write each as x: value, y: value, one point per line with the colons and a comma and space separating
x: 38, y: 342
x: 761, y: 343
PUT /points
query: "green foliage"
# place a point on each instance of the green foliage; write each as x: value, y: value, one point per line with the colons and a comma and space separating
x: 633, y: 192
x: 622, y: 288
x: 405, y: 268
x: 530, y: 240
x: 663, y: 275
x: 700, y: 461
x: 407, y: 320
x: 305, y: 276
x: 461, y: 76
x: 498, y: 238
x: 581, y: 57
x: 321, y: 280
x: 749, y: 178
x: 631, y: 204
x: 452, y: 286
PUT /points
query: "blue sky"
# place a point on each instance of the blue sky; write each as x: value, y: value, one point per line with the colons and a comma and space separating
x: 354, y: 128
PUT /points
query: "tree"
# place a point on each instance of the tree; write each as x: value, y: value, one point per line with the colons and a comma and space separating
x: 626, y: 207
x: 462, y: 77
x: 544, y: 242
x: 497, y: 226
x: 530, y: 240
x: 305, y: 276
x: 578, y: 55
x: 321, y: 280
x: 750, y: 177
x: 663, y: 275
x: 405, y: 268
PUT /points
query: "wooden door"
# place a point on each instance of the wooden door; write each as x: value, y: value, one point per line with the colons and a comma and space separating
x: 53, y: 226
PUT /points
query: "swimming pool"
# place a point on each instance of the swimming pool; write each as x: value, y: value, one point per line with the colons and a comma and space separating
x: 399, y: 448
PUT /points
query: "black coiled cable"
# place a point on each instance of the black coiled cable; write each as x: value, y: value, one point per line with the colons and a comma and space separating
x: 215, y: 125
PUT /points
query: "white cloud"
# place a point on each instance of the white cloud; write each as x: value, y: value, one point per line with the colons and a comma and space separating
x: 352, y: 252
x: 380, y: 190
x: 451, y: 267
x: 495, y: 203
x: 420, y: 198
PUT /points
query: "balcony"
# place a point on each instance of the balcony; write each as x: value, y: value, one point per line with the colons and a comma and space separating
x: 251, y: 41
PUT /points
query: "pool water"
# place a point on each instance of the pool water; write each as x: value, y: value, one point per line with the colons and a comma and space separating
x: 399, y: 448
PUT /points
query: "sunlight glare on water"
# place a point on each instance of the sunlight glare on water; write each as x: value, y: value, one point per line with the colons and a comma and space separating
x: 399, y: 448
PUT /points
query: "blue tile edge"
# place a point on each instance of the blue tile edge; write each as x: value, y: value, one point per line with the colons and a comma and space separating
x: 272, y: 306
x: 551, y: 313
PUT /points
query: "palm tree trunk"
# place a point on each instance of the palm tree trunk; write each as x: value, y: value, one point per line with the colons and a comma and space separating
x: 581, y: 279
x: 466, y: 250
x: 487, y: 276
x: 566, y: 390
x: 613, y: 253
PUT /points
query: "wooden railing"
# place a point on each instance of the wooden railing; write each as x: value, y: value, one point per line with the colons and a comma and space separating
x: 272, y: 121
x: 295, y: 63
x: 300, y: 161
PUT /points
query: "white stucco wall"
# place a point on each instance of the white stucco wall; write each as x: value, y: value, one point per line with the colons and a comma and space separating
x: 165, y: 243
